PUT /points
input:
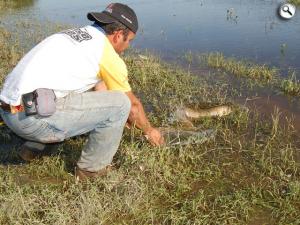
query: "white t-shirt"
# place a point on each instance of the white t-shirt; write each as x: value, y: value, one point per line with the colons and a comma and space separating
x: 72, y: 60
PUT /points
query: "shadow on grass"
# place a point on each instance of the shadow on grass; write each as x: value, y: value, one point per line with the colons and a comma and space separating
x: 9, y: 145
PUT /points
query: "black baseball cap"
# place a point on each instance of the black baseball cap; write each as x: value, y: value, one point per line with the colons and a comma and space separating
x: 116, y: 12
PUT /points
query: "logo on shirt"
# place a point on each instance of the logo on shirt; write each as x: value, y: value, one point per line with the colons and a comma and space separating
x: 78, y: 34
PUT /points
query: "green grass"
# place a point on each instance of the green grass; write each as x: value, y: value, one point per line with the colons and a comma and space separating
x: 10, y: 54
x: 240, y: 68
x: 291, y: 85
x: 248, y: 175
x: 6, y: 4
x: 295, y: 2
x: 262, y: 75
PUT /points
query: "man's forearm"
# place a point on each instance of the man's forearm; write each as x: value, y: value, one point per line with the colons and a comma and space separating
x: 138, y: 118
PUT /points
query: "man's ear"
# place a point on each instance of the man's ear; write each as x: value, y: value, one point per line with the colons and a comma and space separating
x: 117, y: 35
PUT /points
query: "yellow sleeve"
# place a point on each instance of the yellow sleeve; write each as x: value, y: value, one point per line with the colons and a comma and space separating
x: 113, y: 70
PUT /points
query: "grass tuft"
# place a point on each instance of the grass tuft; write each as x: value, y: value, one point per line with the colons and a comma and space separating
x: 291, y: 85
x: 256, y: 74
x: 240, y: 68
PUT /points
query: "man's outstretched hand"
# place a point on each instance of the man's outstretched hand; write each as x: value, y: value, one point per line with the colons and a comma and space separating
x: 137, y: 116
x: 155, y: 137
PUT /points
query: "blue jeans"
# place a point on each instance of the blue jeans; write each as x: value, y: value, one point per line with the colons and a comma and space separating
x: 103, y: 114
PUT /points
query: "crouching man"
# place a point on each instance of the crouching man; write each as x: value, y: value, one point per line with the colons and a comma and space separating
x: 47, y: 97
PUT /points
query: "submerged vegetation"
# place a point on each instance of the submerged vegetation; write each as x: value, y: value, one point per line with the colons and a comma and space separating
x: 291, y: 85
x: 249, y: 174
x: 240, y: 68
x: 257, y: 73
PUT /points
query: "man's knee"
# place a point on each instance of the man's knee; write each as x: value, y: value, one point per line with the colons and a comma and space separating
x: 134, y: 111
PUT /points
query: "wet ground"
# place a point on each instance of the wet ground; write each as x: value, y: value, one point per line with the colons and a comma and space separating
x: 268, y: 104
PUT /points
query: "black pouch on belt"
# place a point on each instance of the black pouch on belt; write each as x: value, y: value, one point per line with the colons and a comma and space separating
x: 29, y: 104
x: 41, y: 102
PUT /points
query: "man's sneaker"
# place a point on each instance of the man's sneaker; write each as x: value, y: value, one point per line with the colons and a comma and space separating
x: 82, y: 175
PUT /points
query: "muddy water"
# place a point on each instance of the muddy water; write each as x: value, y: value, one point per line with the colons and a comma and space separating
x: 263, y: 99
x: 289, y: 110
